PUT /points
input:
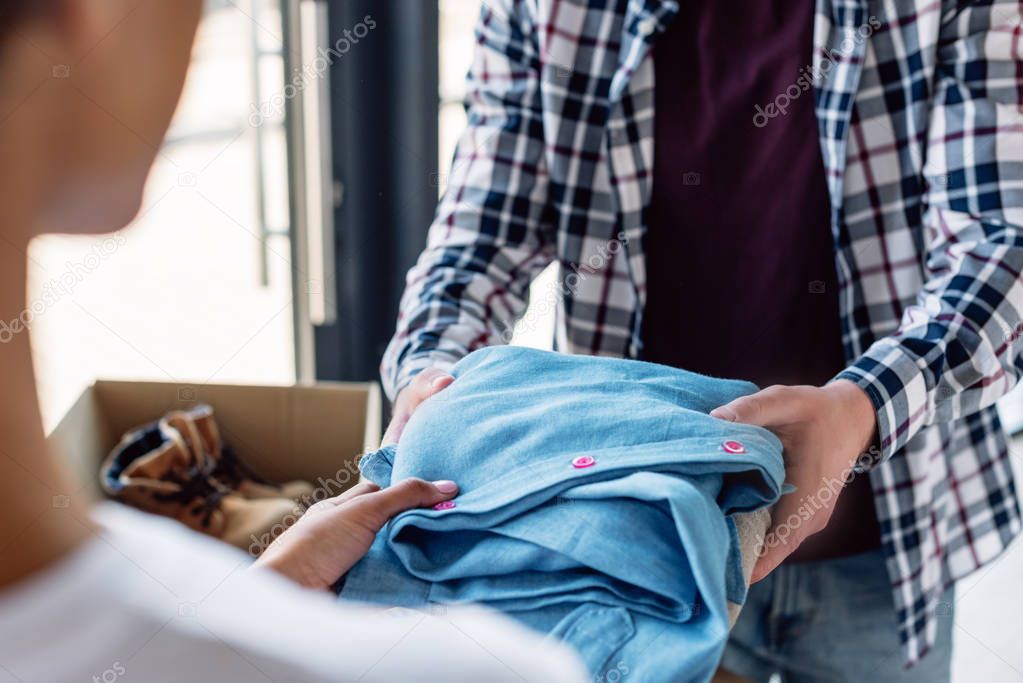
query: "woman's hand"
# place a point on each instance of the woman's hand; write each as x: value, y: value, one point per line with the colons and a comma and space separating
x: 824, y: 430
x: 335, y: 533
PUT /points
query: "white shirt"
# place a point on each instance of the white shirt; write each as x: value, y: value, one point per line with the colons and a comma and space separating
x: 148, y: 600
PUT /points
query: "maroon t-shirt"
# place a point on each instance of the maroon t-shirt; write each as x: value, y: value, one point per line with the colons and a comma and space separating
x: 740, y: 259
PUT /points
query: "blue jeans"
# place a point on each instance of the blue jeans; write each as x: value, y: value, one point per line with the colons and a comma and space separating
x: 832, y: 620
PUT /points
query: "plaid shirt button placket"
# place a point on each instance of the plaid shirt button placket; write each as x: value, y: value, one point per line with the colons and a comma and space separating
x: 920, y: 113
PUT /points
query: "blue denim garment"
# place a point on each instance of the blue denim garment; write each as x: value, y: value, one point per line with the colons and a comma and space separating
x: 594, y: 505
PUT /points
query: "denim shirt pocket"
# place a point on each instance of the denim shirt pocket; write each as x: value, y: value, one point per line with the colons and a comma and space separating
x: 377, y: 466
x: 596, y: 633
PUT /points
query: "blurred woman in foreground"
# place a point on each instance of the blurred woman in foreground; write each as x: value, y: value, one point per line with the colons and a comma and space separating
x: 87, y: 91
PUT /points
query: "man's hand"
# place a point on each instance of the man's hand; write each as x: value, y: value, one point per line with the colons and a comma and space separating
x: 335, y: 533
x: 824, y: 431
x: 423, y: 386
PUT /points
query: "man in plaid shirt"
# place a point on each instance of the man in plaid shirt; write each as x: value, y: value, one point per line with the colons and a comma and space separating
x: 918, y: 158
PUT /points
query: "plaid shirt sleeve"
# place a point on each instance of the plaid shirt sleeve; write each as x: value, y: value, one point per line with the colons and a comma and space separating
x: 958, y: 347
x: 493, y: 232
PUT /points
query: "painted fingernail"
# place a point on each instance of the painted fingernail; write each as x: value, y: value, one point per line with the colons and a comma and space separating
x: 446, y: 486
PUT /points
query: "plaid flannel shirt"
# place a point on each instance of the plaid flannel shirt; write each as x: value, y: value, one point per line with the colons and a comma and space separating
x: 920, y: 116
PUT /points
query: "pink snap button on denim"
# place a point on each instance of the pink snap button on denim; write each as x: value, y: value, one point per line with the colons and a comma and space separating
x: 584, y: 461
x: 733, y: 447
x: 446, y: 505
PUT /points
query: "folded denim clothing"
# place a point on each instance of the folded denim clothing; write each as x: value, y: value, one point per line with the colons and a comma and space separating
x: 596, y: 505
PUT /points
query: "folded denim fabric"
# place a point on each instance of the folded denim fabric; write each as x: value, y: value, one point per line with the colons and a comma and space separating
x: 595, y: 505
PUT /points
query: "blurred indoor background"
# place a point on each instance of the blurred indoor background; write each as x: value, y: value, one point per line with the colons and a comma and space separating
x: 208, y: 269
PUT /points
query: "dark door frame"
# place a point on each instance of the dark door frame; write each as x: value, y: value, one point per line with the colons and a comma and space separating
x: 384, y: 92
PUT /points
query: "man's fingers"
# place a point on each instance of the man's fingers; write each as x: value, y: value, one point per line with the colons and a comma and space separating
x: 788, y: 530
x: 423, y: 386
x: 396, y: 427
x: 773, y: 406
x: 768, y: 562
x: 426, y: 384
x: 781, y: 541
x: 409, y: 494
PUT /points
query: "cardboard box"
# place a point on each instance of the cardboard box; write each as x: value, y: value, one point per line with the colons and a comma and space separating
x: 314, y: 432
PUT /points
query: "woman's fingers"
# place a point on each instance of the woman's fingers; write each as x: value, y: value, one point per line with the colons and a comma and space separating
x: 354, y: 492
x: 380, y: 507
